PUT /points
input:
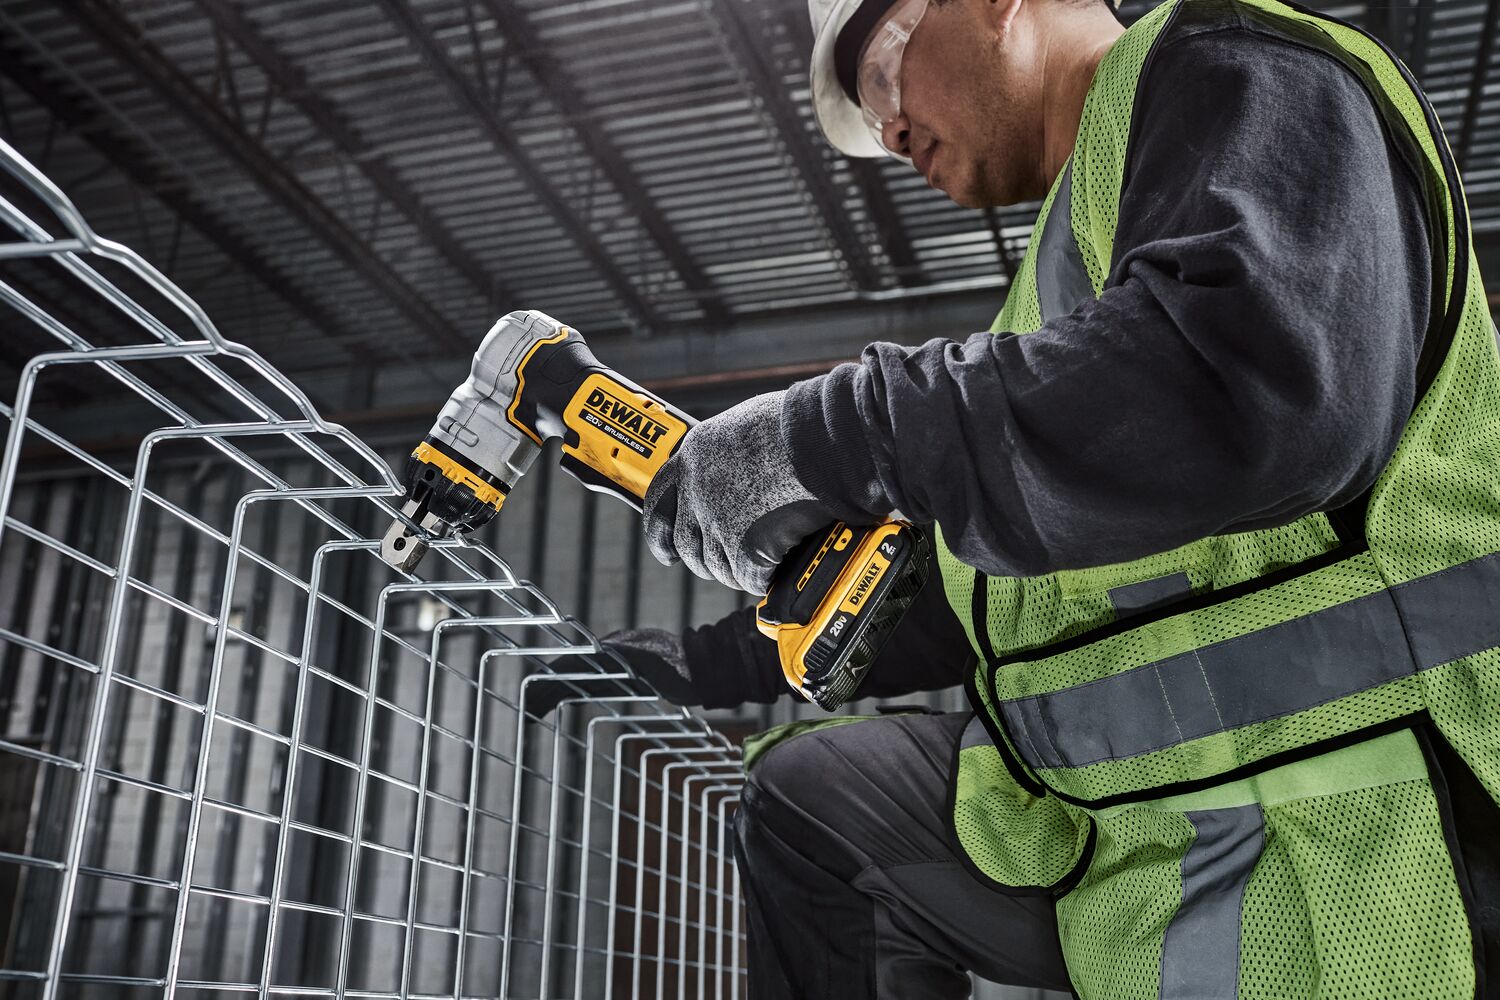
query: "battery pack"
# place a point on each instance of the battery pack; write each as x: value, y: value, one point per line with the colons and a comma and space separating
x: 836, y: 600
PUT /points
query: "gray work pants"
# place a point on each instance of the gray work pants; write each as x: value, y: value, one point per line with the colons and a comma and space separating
x: 852, y: 880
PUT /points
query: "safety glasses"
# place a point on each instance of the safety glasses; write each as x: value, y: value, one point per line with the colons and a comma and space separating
x: 880, y: 69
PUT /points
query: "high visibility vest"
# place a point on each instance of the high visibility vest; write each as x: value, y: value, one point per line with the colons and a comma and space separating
x: 1211, y: 755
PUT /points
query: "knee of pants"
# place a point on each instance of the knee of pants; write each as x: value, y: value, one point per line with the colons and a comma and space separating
x: 795, y: 772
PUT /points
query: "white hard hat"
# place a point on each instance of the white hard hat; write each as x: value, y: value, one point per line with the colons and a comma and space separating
x: 834, y: 103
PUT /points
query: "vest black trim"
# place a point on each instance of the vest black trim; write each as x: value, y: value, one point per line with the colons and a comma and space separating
x: 1197, y: 603
x: 1349, y: 520
x: 1471, y: 828
x: 979, y: 609
x: 1016, y: 769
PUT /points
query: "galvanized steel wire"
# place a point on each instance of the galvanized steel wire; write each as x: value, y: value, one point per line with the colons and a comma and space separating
x: 340, y: 791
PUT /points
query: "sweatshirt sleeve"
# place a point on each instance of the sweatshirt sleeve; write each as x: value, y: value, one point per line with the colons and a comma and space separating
x: 1251, y: 358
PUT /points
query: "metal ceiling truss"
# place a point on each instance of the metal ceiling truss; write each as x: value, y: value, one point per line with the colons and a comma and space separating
x: 813, y: 229
x: 887, y: 221
x: 1421, y: 37
x: 526, y: 44
x: 1477, y: 80
x: 469, y: 97
x: 867, y: 177
x: 1002, y: 252
x: 125, y: 155
x: 290, y: 82
x: 746, y: 48
x: 113, y: 31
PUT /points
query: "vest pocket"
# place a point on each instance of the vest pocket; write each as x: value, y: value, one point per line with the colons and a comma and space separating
x: 1014, y: 841
x: 1208, y: 564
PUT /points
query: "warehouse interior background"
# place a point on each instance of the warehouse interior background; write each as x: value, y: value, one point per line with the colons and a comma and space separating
x: 358, y: 190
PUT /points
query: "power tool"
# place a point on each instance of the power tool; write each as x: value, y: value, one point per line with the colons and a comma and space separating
x: 832, y: 603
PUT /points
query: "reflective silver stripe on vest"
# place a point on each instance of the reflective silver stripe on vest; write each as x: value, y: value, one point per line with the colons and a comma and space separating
x: 1200, y: 953
x: 1062, y: 282
x: 1264, y: 675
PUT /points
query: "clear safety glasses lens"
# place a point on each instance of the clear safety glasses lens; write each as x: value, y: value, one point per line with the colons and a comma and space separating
x: 880, y: 69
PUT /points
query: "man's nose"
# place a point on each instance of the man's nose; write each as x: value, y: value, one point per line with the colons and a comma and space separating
x: 895, y: 135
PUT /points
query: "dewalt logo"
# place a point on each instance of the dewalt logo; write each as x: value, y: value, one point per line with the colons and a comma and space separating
x: 622, y: 421
x: 868, y: 578
x: 862, y: 589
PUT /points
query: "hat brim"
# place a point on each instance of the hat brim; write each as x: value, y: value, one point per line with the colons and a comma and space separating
x: 839, y: 117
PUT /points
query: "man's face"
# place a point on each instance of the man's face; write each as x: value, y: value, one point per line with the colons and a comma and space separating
x: 970, y: 117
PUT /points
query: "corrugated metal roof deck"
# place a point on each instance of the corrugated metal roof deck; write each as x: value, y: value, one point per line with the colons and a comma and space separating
x: 376, y: 181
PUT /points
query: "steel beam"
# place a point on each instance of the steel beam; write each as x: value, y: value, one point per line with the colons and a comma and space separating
x: 898, y: 248
x: 467, y: 95
x: 290, y: 81
x: 747, y: 50
x: 525, y: 42
x: 107, y: 25
x: 1392, y: 26
x: 133, y: 160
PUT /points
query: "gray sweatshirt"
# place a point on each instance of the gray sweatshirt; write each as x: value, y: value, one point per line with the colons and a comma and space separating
x: 1251, y: 359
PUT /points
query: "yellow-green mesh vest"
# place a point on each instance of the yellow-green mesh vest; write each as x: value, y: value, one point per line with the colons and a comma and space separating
x: 1254, y: 691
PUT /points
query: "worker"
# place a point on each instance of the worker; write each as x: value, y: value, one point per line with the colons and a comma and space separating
x: 1217, y: 510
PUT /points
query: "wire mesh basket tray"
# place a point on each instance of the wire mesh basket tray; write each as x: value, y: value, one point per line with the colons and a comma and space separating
x: 241, y: 755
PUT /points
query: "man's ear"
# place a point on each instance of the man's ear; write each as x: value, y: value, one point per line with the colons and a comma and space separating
x: 1000, y: 14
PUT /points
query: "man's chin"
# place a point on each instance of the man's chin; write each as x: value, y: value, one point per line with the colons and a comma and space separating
x: 965, y: 197
x: 962, y: 190
x: 977, y: 197
x: 976, y: 190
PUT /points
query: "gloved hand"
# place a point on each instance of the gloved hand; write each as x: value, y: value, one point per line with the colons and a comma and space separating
x: 656, y: 656
x: 727, y: 504
x: 728, y: 663
x: 722, y: 665
x: 653, y: 655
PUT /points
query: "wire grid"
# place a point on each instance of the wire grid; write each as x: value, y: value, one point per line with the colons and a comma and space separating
x: 241, y: 755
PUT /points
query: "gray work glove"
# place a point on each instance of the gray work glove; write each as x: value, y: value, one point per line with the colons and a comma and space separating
x: 721, y: 665
x: 727, y: 504
x: 653, y: 655
x: 657, y: 657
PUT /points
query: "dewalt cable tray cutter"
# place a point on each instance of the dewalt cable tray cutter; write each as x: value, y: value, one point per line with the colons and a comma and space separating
x: 832, y: 603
